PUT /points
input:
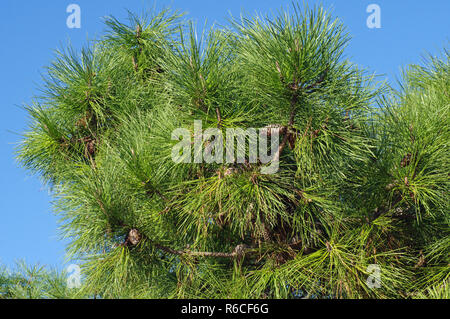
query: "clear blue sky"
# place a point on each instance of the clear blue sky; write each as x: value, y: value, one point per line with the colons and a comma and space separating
x: 31, y: 30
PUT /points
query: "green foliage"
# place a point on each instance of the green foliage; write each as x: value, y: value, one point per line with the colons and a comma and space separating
x: 363, y: 175
x: 34, y: 282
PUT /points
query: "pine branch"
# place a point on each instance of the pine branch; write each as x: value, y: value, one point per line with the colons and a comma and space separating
x: 287, y: 128
x: 239, y: 251
x: 380, y: 211
x: 219, y: 118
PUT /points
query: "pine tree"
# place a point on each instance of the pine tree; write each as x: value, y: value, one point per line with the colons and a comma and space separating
x: 362, y: 179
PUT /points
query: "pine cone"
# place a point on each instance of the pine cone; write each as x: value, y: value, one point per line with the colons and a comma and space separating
x: 240, y: 250
x: 91, y: 147
x: 82, y: 122
x: 406, y: 160
x: 230, y: 171
x: 422, y: 262
x: 134, y: 237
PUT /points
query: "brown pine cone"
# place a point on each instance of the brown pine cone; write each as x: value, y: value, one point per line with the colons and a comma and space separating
x: 134, y: 237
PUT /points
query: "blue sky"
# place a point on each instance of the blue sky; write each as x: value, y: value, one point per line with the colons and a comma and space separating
x: 31, y: 30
